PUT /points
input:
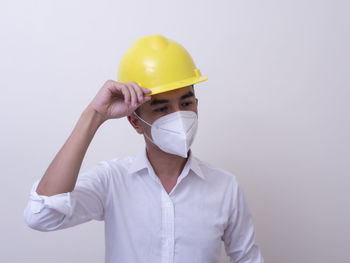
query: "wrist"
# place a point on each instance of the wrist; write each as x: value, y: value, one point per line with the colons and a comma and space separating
x: 96, y: 117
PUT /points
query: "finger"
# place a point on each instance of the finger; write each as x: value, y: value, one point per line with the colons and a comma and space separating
x: 126, y: 94
x: 110, y: 83
x: 138, y: 91
x: 146, y: 91
x: 145, y: 99
x: 112, y: 86
x: 133, y: 95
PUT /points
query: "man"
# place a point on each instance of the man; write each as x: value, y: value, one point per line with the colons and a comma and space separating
x: 163, y: 205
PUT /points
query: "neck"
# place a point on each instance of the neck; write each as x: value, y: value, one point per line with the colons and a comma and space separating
x: 165, y: 165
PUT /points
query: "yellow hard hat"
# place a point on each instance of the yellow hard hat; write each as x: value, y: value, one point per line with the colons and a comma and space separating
x: 159, y: 64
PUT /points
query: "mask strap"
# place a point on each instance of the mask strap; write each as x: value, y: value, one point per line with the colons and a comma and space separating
x: 147, y: 124
x: 142, y: 119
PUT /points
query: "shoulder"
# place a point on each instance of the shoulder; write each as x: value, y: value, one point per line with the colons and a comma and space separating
x: 215, y: 173
x: 222, y: 183
x: 118, y: 165
x: 110, y: 168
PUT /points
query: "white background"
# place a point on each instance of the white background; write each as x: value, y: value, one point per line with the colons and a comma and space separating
x: 275, y: 111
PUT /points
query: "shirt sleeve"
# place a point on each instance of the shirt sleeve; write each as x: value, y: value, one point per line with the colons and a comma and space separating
x: 239, y: 237
x: 86, y: 202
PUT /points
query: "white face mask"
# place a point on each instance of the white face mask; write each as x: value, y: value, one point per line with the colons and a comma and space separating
x: 174, y: 132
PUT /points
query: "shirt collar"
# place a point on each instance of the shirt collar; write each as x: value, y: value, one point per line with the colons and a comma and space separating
x: 141, y: 162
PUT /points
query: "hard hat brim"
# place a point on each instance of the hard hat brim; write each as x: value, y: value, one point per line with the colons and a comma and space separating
x: 176, y: 85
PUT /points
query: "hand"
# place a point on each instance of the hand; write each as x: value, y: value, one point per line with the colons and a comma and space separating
x: 117, y: 100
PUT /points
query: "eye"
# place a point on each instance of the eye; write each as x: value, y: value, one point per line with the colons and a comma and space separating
x: 162, y: 109
x: 185, y: 104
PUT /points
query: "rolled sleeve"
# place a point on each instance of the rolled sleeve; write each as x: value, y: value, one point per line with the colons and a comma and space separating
x: 84, y: 203
x: 239, y: 237
x: 59, y: 202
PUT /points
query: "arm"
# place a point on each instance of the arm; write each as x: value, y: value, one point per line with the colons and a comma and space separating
x: 61, y: 175
x: 239, y: 237
x: 114, y: 100
x: 84, y: 203
x: 62, y: 199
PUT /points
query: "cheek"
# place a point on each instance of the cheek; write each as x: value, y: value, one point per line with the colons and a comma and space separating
x: 144, y: 128
x: 195, y: 107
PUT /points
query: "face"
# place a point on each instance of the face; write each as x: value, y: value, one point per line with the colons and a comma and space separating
x: 182, y: 99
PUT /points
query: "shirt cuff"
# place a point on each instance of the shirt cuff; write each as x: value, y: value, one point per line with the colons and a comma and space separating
x: 60, y: 202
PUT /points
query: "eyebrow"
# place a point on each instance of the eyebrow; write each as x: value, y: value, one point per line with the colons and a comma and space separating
x: 187, y: 95
x: 155, y: 102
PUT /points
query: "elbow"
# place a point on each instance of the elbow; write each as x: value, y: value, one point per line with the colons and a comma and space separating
x: 34, y: 224
x: 43, y: 221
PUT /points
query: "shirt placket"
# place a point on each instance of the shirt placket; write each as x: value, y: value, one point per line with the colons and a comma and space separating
x: 167, y: 228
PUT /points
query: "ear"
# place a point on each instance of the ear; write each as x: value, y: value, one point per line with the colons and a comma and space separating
x: 135, y: 122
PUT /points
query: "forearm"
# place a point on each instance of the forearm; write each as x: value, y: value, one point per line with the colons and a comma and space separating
x: 62, y: 173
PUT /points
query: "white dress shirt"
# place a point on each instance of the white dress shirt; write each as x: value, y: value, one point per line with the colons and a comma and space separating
x: 143, y: 223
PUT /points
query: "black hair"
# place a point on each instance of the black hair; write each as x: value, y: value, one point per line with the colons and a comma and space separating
x: 137, y: 111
